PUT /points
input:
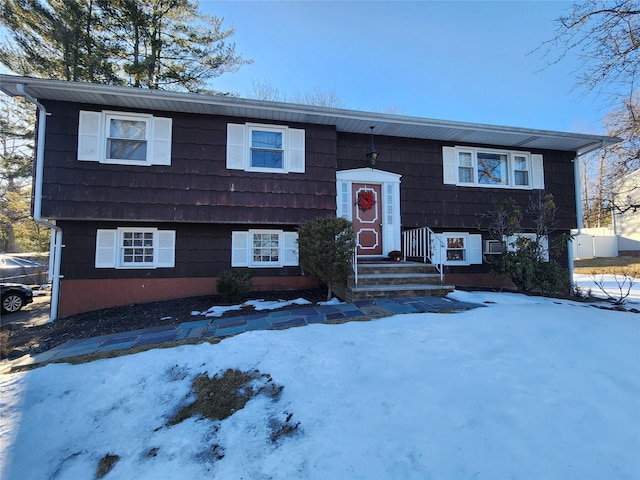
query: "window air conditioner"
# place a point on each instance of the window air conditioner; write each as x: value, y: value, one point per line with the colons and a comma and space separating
x: 493, y: 247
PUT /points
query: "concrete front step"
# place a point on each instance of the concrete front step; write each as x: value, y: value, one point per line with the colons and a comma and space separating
x: 393, y: 280
x: 395, y: 267
x: 396, y: 279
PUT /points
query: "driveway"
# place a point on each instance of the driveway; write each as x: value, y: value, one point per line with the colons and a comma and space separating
x: 35, y: 313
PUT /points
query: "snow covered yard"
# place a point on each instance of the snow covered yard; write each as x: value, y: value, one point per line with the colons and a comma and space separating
x: 526, y: 388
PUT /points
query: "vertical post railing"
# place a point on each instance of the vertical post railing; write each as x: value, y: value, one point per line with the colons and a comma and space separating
x: 355, y: 265
x: 423, y: 243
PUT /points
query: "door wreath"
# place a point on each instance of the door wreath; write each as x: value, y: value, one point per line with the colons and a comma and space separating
x: 366, y: 200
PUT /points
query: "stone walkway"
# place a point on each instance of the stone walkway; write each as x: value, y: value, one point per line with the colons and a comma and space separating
x: 214, y: 327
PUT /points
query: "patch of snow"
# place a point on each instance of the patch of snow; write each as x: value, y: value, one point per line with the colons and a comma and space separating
x: 333, y: 301
x: 273, y: 305
x: 614, y: 285
x: 219, y: 310
x: 528, y: 387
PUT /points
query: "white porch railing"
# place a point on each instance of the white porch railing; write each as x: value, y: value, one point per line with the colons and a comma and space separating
x: 355, y: 265
x: 425, y: 244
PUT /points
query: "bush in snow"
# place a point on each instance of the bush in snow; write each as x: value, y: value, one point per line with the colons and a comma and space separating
x: 234, y: 285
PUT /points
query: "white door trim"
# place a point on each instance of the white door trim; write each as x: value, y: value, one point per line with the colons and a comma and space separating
x: 390, y: 186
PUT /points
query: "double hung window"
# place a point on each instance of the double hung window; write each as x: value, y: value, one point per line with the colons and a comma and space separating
x: 457, y: 248
x: 124, y: 138
x: 264, y: 248
x: 127, y: 247
x: 265, y: 148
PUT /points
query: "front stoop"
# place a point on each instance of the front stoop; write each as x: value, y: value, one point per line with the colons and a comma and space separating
x: 393, y: 280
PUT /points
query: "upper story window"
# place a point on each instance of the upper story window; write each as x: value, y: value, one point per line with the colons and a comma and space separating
x: 127, y: 138
x: 483, y: 167
x: 265, y: 148
x: 124, y: 138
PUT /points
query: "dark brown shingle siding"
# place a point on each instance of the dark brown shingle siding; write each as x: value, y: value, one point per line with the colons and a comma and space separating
x: 196, y: 187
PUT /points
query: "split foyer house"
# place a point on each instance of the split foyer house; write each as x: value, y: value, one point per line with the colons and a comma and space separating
x: 151, y: 194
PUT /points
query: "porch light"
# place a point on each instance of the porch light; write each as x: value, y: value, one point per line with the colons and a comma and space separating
x: 373, y: 153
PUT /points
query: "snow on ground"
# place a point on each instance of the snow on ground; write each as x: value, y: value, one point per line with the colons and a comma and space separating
x: 258, y: 305
x: 614, y: 285
x: 524, y: 388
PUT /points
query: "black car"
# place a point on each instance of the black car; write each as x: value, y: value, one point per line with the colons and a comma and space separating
x: 14, y: 296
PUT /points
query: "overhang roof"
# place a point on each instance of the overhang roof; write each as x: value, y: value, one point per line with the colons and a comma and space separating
x: 350, y: 121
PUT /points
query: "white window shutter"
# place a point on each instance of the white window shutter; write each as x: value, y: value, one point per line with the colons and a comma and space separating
x: 537, y: 172
x: 474, y: 249
x: 235, y: 146
x: 161, y: 141
x: 296, y: 150
x: 449, y: 166
x: 166, y: 249
x: 89, y: 129
x: 290, y: 248
x: 106, y: 248
x: 240, y: 249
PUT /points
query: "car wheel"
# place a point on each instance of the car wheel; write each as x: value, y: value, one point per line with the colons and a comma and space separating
x: 12, y: 302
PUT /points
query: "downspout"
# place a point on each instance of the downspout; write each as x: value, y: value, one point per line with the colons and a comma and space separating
x: 55, y: 247
x: 578, y: 192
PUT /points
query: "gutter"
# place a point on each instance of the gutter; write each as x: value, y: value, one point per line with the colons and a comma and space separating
x: 55, y: 247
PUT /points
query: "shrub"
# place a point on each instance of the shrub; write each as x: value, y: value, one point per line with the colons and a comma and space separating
x: 234, y: 285
x: 326, y: 247
x: 529, y: 273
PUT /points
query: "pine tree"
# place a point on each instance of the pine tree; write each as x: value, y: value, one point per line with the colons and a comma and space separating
x: 158, y: 44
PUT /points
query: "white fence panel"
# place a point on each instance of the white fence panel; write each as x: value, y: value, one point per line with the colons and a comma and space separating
x: 592, y: 246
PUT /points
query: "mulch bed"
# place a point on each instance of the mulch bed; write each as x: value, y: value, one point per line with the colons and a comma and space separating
x: 17, y: 340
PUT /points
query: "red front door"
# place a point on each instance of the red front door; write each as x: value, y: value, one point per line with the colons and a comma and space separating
x: 367, y: 218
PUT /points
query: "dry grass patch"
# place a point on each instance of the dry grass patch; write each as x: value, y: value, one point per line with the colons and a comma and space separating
x: 606, y: 265
x: 219, y: 397
x: 106, y: 464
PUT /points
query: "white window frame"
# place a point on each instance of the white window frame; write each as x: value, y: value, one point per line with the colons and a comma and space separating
x: 465, y: 244
x: 133, y: 118
x: 242, y: 249
x: 110, y: 248
x: 285, y: 147
x: 451, y: 168
x: 472, y: 249
x: 93, y: 136
x: 239, y: 147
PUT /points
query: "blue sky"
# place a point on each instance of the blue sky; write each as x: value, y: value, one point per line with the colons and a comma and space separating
x: 452, y: 60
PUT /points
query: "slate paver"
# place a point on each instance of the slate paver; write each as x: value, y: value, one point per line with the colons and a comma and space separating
x: 262, y: 320
x: 259, y: 324
x: 396, y: 307
x: 373, y: 310
x: 294, y: 322
x: 226, y: 331
x: 315, y: 319
x: 152, y: 339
